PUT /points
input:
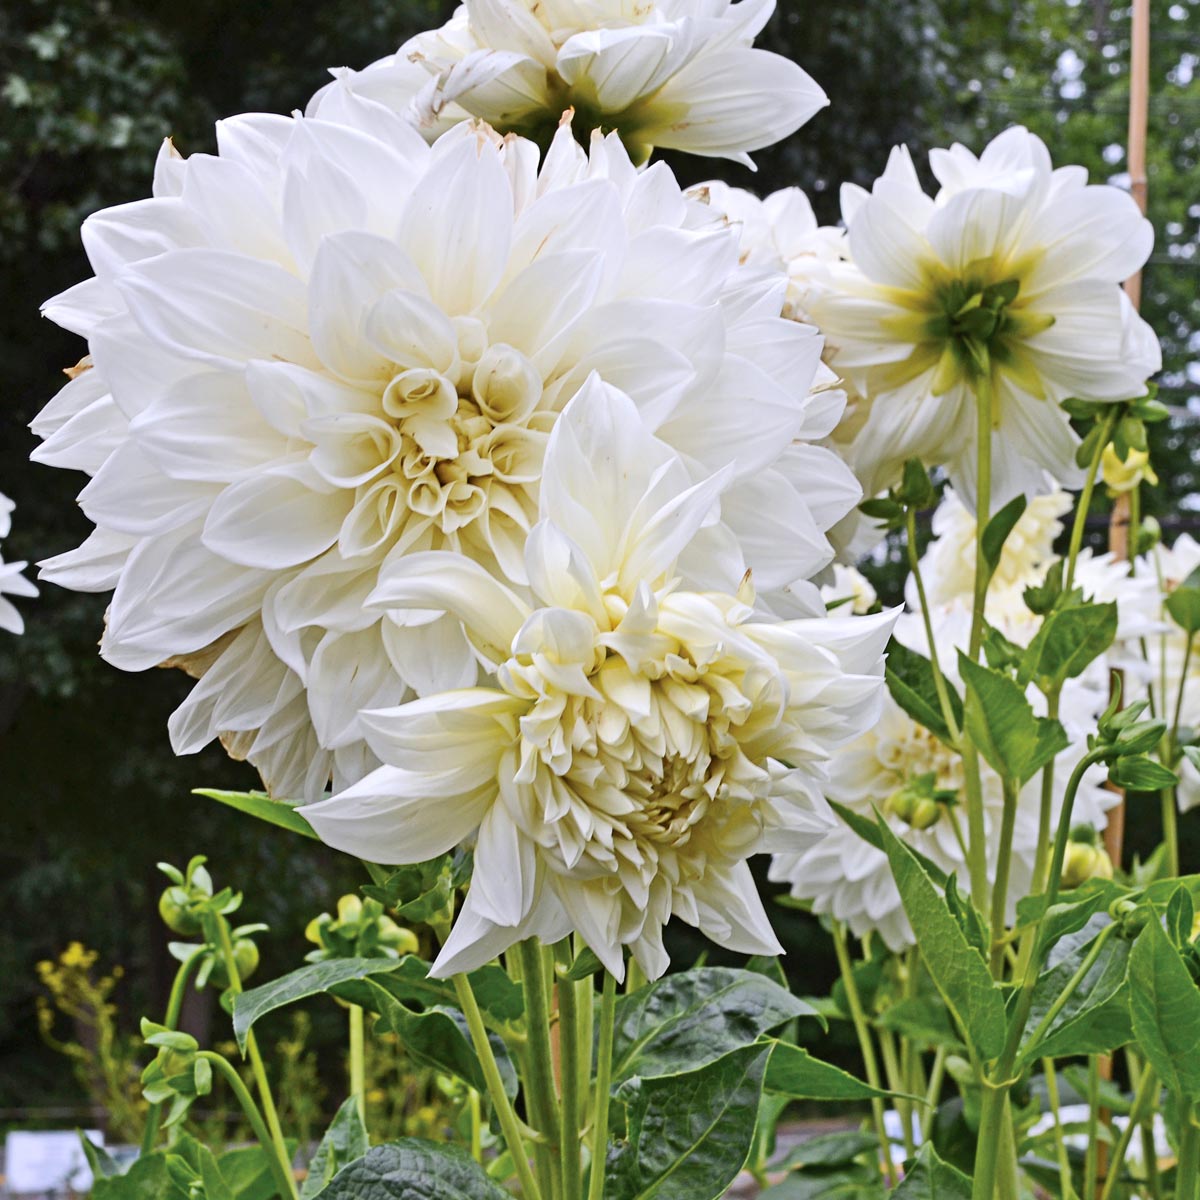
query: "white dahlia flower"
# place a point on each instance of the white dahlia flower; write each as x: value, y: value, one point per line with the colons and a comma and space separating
x: 1012, y: 265
x: 12, y: 582
x: 331, y: 345
x: 641, y: 739
x: 844, y: 877
x: 678, y: 74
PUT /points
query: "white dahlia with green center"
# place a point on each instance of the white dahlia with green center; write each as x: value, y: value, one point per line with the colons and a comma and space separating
x: 1005, y: 283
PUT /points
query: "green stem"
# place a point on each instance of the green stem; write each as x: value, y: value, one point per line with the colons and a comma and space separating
x: 541, y: 1096
x: 896, y: 1083
x: 1085, y: 499
x: 1073, y: 983
x: 1188, y: 1170
x: 225, y: 945
x: 987, y: 1155
x: 1065, y: 1183
x: 635, y: 977
x: 1091, y: 1161
x: 939, y: 680
x: 358, y: 1087
x: 1046, y: 806
x: 507, y: 1117
x: 934, y: 1093
x: 863, y: 1031
x: 983, y: 502
x: 571, y: 1126
x: 1147, y: 1092
x: 1170, y: 820
x: 604, y: 1058
x: 1008, y: 823
x: 171, y: 1021
x: 476, y: 1111
x: 281, y: 1168
x: 976, y: 825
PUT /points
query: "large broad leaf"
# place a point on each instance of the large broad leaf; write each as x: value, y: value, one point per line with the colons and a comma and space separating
x: 795, y: 1073
x: 1095, y: 1019
x: 1001, y: 721
x: 146, y: 1179
x: 688, y: 1135
x: 910, y: 680
x: 412, y: 1169
x: 439, y: 1038
x: 248, y: 1171
x: 957, y: 969
x: 684, y: 1021
x: 260, y: 805
x: 345, y: 1140
x: 1067, y: 642
x: 313, y: 980
x: 1165, y: 1004
x: 928, y: 1178
x: 831, y: 1150
x: 191, y: 1166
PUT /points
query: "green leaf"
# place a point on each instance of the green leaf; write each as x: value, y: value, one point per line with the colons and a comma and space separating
x: 795, y: 1073
x: 1095, y: 1019
x: 1001, y: 721
x: 422, y: 891
x: 438, y: 1037
x: 869, y: 832
x: 186, y: 1160
x: 928, y: 1178
x: 500, y: 999
x: 849, y: 1183
x: 684, y: 1021
x: 689, y: 1134
x: 910, y: 680
x: 1067, y: 642
x: 923, y: 1020
x: 102, y: 1164
x: 345, y: 1140
x: 958, y: 970
x: 586, y: 964
x: 996, y: 531
x: 260, y: 805
x: 249, y: 1173
x: 1183, y: 604
x: 413, y: 1169
x: 146, y: 1179
x: 830, y: 1150
x: 1165, y: 1004
x: 313, y: 980
x: 1141, y: 774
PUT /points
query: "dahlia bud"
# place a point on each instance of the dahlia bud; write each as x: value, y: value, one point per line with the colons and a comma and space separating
x: 1123, y: 476
x: 1085, y: 858
x: 915, y: 805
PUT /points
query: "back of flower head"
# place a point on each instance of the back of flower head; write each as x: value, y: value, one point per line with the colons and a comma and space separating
x: 641, y: 739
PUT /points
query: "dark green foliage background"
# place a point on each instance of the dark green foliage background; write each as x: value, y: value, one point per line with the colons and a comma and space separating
x: 92, y: 796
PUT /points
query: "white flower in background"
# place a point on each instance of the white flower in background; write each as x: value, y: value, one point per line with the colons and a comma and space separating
x: 1011, y: 258
x: 678, y: 74
x: 843, y: 876
x: 632, y: 753
x: 1165, y: 568
x: 12, y: 582
x: 849, y: 592
x: 331, y: 345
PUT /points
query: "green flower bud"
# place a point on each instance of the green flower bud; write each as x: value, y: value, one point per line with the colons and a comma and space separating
x: 915, y: 804
x: 1084, y: 861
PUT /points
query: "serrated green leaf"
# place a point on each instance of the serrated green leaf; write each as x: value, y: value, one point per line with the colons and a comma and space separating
x: 686, y: 1020
x: 1069, y: 640
x: 315, y: 979
x: 1001, y: 721
x: 928, y: 1178
x: 438, y: 1037
x: 413, y: 1169
x: 262, y: 807
x: 1165, y: 1004
x: 958, y: 970
x: 345, y: 1140
x: 869, y: 832
x: 795, y: 1073
x: 688, y: 1134
x: 911, y: 682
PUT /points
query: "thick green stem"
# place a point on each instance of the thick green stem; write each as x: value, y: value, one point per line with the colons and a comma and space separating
x: 541, y: 1095
x: 571, y: 1126
x: 257, y: 1067
x: 983, y: 503
x: 987, y: 1155
x: 281, y: 1168
x: 171, y: 1021
x: 1147, y: 1093
x: 1091, y: 1161
x: 976, y: 825
x: 476, y: 1110
x: 1188, y: 1171
x: 505, y: 1113
x: 1008, y: 823
x: 604, y: 1058
x: 358, y: 1088
x: 865, y: 1045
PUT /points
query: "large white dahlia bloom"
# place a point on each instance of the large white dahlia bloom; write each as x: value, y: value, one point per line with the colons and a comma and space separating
x: 844, y: 877
x: 680, y: 74
x: 641, y: 739
x: 12, y: 582
x: 1012, y: 264
x: 331, y: 345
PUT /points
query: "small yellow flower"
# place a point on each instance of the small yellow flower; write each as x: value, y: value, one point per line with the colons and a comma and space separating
x: 1124, y: 476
